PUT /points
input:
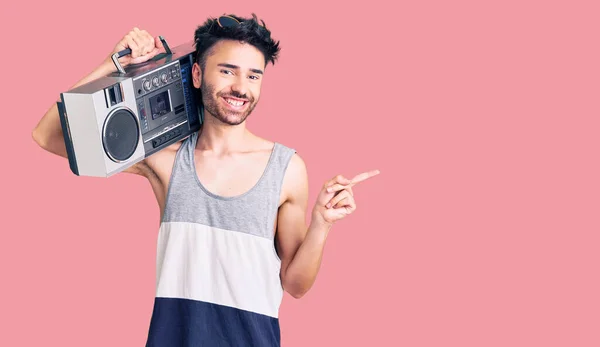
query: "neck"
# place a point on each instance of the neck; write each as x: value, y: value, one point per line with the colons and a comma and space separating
x: 220, y: 138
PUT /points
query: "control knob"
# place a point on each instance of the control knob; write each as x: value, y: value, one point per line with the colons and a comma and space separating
x: 155, y: 81
x: 163, y: 77
x: 147, y: 84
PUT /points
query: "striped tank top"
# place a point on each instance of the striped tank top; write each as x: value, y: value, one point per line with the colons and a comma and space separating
x: 217, y: 270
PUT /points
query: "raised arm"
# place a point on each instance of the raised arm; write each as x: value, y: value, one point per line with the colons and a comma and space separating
x: 48, y: 133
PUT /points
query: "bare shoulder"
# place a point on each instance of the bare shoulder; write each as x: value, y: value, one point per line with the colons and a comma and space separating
x: 295, y: 172
x: 295, y: 181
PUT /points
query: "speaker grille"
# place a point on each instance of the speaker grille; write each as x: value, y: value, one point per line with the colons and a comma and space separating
x: 120, y: 135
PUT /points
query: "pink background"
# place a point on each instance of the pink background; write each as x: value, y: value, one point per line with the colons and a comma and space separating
x: 482, y: 229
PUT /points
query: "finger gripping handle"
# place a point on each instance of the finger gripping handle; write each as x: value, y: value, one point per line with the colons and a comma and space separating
x: 124, y: 52
x: 115, y: 57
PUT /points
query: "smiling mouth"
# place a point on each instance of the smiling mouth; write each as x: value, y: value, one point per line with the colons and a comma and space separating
x: 235, y: 102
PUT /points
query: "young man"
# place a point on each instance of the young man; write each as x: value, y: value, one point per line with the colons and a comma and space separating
x: 233, y: 235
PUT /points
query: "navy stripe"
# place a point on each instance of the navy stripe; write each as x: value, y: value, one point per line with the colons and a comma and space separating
x: 185, y: 323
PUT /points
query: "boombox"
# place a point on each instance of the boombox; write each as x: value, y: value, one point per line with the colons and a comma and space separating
x: 113, y: 122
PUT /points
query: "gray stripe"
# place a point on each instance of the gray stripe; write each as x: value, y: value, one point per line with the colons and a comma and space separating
x: 253, y: 212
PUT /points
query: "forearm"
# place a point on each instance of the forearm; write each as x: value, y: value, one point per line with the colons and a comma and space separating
x: 302, y: 270
x: 48, y: 132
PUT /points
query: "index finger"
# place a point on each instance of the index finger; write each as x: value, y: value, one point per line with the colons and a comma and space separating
x: 363, y: 176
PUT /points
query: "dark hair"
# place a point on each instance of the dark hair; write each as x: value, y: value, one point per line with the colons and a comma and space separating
x: 249, y: 31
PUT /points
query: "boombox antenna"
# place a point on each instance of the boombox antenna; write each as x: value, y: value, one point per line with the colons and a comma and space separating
x: 115, y: 57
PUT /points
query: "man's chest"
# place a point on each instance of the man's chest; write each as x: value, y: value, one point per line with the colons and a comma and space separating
x: 232, y: 175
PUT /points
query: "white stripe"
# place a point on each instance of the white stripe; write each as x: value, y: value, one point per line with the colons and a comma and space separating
x: 219, y: 266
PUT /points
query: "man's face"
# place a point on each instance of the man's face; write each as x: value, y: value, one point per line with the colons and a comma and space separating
x: 230, y: 84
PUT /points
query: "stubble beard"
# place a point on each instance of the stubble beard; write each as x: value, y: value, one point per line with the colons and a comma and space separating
x: 210, y: 99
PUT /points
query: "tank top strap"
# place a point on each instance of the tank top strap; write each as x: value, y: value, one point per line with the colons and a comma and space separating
x: 184, y: 163
x: 181, y: 174
x: 273, y: 179
x: 277, y: 168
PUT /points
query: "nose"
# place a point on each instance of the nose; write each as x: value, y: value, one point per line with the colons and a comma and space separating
x: 240, y: 86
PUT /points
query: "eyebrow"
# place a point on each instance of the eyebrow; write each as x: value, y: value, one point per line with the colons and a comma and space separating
x: 235, y: 67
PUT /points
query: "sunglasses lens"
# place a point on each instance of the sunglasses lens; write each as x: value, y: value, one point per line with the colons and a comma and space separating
x: 227, y: 21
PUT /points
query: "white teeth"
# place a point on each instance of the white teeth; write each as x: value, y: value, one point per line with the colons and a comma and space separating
x: 234, y: 102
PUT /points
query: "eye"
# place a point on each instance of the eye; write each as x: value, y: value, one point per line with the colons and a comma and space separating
x: 227, y: 72
x: 254, y: 77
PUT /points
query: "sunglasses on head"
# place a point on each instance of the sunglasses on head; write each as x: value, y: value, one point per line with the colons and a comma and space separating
x: 227, y: 22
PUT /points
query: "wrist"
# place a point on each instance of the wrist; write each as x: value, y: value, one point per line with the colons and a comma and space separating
x: 317, y: 221
x: 107, y: 67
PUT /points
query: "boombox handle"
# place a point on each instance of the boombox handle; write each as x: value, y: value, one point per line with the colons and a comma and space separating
x: 115, y: 57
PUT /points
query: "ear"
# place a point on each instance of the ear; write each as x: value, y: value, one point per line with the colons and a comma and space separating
x: 197, y: 75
